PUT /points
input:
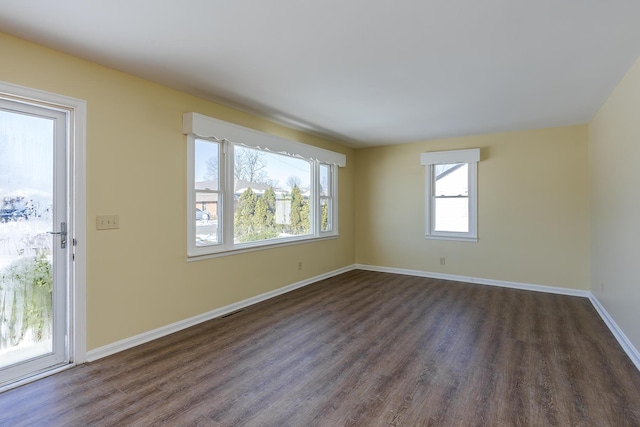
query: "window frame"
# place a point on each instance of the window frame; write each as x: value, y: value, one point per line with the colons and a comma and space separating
x: 229, y: 136
x: 471, y: 157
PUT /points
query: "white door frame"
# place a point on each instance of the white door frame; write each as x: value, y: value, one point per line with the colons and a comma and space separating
x: 76, y: 172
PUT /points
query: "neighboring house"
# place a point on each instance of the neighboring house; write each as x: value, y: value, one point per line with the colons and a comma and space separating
x: 207, y: 199
x: 241, y: 186
x: 452, y: 179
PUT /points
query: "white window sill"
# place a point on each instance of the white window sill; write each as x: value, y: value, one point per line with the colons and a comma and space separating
x: 453, y: 238
x: 259, y: 247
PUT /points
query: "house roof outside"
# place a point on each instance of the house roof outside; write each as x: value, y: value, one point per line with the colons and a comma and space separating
x: 240, y: 187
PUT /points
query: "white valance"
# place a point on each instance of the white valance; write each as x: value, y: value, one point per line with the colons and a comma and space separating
x: 471, y: 155
x: 208, y: 127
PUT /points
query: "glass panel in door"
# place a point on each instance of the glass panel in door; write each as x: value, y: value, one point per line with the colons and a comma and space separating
x: 33, y: 290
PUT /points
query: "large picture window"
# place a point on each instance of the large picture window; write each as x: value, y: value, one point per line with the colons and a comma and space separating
x: 248, y: 189
x: 451, y: 199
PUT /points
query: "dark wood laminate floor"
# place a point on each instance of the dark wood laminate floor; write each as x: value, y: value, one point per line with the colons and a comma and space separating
x: 360, y: 349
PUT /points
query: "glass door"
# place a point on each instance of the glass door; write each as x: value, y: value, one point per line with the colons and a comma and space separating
x: 34, y: 253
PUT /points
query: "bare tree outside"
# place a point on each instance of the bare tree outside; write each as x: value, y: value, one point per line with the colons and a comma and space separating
x: 250, y: 165
x: 294, y: 181
x: 213, y: 171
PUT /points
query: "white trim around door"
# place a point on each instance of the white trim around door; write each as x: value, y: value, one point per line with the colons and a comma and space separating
x: 76, y: 114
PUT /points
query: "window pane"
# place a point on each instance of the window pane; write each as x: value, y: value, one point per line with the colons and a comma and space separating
x: 325, y: 214
x: 271, y: 195
x: 206, y: 218
x: 452, y: 214
x: 207, y: 186
x: 207, y: 165
x: 26, y: 249
x: 452, y: 179
x: 325, y: 183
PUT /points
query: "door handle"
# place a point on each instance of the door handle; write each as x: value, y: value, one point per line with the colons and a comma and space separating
x: 62, y: 233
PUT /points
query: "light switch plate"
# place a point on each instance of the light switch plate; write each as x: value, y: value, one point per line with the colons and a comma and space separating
x: 107, y: 222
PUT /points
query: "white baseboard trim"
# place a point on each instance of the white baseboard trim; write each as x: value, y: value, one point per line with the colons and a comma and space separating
x: 128, y: 343
x: 145, y: 337
x: 478, y: 280
x: 625, y: 343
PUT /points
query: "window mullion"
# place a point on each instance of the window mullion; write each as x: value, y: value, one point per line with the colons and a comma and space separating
x: 432, y: 192
x: 191, y: 191
x: 229, y: 194
x: 314, y: 198
x: 334, y: 199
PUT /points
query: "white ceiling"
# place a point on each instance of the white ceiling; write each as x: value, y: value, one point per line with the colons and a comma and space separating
x: 369, y: 72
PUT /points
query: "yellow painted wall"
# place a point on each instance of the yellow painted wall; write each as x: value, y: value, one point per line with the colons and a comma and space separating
x: 532, y: 209
x: 137, y: 277
x: 533, y: 221
x: 614, y: 172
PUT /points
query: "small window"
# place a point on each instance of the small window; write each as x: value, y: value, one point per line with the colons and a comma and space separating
x: 248, y: 189
x: 451, y: 199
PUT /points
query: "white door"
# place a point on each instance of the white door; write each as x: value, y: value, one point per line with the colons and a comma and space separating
x: 35, y: 247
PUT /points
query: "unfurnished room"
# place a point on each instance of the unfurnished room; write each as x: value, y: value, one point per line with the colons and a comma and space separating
x: 291, y: 213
